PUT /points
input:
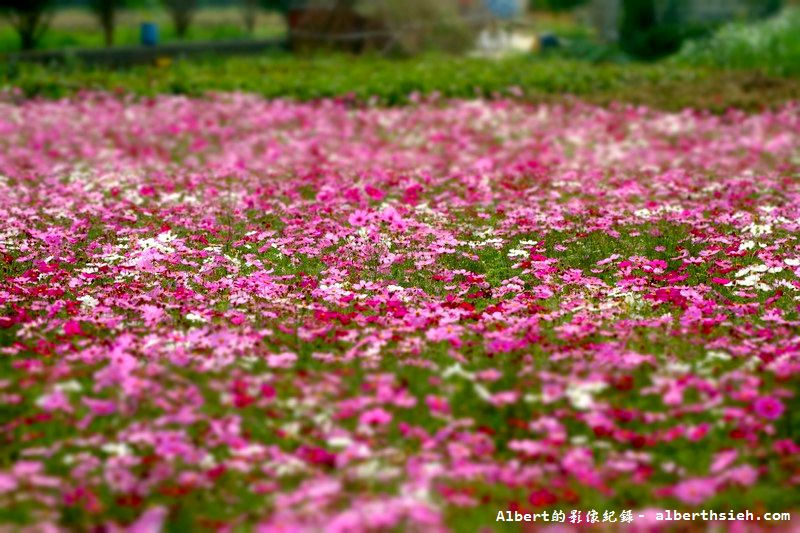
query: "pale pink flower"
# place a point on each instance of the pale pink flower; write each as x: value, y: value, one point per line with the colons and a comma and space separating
x: 281, y: 360
x: 695, y: 491
x: 151, y: 521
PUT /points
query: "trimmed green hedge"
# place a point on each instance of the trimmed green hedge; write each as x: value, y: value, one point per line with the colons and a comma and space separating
x: 391, y: 82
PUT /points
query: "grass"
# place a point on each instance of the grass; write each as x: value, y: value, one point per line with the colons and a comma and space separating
x: 392, y: 81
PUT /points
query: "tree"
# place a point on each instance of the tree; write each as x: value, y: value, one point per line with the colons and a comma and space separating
x: 181, y: 12
x: 646, y: 36
x: 30, y: 19
x: 106, y: 13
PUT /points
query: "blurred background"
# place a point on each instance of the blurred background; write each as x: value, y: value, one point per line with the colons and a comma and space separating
x: 541, y: 46
x: 645, y: 29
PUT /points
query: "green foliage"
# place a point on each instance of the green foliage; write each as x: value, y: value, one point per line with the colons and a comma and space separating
x: 556, y: 5
x: 279, y: 6
x: 644, y: 36
x: 772, y: 45
x: 28, y: 17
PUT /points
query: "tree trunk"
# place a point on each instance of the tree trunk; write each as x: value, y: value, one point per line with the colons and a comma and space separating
x: 27, y: 26
x: 181, y: 24
x: 181, y: 12
x: 26, y: 40
x: 250, y: 13
x: 107, y: 22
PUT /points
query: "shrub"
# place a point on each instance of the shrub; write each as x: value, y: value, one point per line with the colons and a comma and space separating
x: 771, y: 45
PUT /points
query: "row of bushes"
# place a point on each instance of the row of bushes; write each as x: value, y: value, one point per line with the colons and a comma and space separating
x: 392, y: 82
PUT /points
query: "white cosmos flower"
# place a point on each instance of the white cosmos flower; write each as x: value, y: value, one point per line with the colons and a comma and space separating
x: 116, y: 448
x: 581, y: 395
x: 194, y: 317
x: 69, y: 386
x: 88, y: 301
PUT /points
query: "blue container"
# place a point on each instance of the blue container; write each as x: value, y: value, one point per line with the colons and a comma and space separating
x: 149, y: 33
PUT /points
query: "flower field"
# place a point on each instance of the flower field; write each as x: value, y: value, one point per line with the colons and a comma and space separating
x: 234, y: 312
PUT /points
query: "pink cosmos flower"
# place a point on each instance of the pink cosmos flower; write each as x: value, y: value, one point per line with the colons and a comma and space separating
x: 723, y: 459
x: 151, y: 315
x: 55, y: 401
x: 358, y: 218
x: 72, y: 328
x: 744, y: 475
x: 768, y: 407
x: 695, y: 491
x: 100, y: 407
x: 8, y: 483
x: 504, y: 398
x: 375, y: 417
x: 448, y: 332
x: 542, y: 292
x: 437, y: 404
x: 375, y: 194
x: 490, y: 374
x: 151, y: 521
x: 281, y: 360
x: 24, y: 469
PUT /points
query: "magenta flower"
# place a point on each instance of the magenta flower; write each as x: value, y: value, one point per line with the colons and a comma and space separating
x: 375, y: 417
x: 72, y: 328
x: 768, y: 407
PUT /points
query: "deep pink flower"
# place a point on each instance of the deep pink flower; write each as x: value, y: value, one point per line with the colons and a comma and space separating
x: 72, y: 328
x: 768, y: 407
x: 375, y: 417
x: 375, y: 194
x: 437, y: 404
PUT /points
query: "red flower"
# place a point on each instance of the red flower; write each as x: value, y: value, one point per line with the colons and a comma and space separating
x: 542, y: 498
